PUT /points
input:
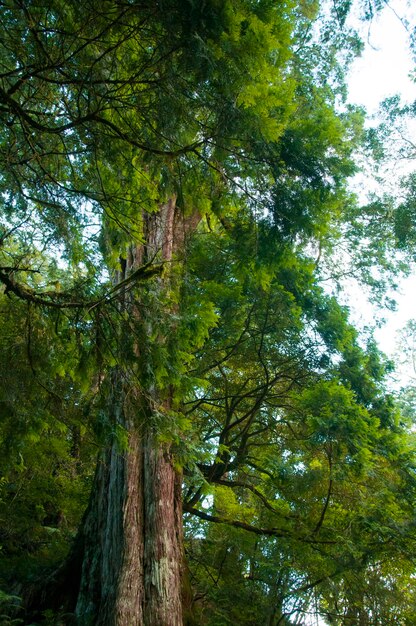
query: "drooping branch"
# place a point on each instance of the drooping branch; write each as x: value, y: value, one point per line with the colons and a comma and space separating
x: 271, y: 532
x: 96, y: 118
x: 265, y: 532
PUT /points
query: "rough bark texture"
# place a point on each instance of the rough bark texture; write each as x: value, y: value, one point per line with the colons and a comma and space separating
x: 163, y: 538
x: 132, y: 532
x: 133, y: 540
x: 111, y: 589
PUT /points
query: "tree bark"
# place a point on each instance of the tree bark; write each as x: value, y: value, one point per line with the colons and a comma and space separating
x: 111, y: 588
x: 132, y: 531
x: 163, y: 545
x: 133, y: 551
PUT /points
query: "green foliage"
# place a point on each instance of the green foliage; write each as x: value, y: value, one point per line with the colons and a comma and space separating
x: 298, y: 438
x: 45, y: 471
x: 227, y: 347
x: 9, y: 606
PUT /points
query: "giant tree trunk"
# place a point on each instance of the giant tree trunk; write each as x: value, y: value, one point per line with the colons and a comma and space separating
x: 132, y: 531
x: 133, y: 540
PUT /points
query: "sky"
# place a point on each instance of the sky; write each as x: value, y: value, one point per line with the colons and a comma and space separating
x: 384, y: 67
x: 384, y: 70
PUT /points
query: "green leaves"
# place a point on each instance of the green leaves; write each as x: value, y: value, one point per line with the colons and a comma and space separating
x: 179, y: 170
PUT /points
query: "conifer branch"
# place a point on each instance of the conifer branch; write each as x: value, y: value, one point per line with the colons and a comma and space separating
x: 269, y: 532
x: 56, y: 300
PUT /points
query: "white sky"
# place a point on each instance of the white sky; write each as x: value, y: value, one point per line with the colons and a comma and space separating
x: 383, y: 70
x: 384, y: 67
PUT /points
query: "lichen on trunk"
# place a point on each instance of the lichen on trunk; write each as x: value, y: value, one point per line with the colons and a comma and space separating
x: 163, y: 536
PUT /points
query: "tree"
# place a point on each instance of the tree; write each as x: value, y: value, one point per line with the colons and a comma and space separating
x: 301, y: 461
x: 132, y: 133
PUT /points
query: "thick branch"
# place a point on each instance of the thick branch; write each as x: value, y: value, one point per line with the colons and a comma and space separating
x: 57, y: 300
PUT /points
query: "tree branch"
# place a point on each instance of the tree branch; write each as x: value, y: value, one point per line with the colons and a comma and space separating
x: 56, y: 300
x: 269, y: 532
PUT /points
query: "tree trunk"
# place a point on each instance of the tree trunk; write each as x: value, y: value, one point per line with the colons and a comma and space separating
x: 111, y: 590
x: 132, y: 536
x: 132, y: 531
x: 163, y: 546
